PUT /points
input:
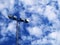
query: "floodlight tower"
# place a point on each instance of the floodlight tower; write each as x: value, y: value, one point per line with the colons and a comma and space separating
x: 17, y: 25
x: 17, y: 7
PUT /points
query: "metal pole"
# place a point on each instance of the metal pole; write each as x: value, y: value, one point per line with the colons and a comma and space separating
x: 17, y: 32
x: 17, y: 27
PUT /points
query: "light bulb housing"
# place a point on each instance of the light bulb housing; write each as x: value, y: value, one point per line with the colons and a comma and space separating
x: 19, y: 20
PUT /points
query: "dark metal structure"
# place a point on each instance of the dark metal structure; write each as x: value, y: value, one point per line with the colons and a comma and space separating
x: 17, y: 26
x: 18, y: 20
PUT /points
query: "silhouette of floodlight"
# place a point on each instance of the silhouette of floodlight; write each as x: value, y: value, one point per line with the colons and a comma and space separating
x: 17, y: 26
x: 19, y: 20
x: 12, y: 17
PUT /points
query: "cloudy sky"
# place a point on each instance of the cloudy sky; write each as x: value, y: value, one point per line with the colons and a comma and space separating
x: 43, y: 27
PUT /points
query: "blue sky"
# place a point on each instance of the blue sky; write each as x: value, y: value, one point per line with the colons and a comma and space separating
x: 44, y: 22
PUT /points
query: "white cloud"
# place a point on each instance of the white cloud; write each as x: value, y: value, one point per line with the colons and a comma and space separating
x: 3, y: 39
x: 11, y: 6
x: 36, y: 31
x: 4, y: 13
x: 40, y: 42
x: 2, y: 6
x: 12, y: 27
x: 56, y: 36
x: 49, y: 13
x: 27, y: 2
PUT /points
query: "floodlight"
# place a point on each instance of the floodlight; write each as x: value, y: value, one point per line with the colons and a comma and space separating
x: 19, y: 20
x: 17, y: 26
x: 12, y: 17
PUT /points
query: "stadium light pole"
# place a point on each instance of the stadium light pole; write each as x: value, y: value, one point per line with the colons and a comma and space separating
x: 17, y: 25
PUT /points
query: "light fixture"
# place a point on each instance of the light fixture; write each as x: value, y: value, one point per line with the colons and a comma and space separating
x: 17, y: 26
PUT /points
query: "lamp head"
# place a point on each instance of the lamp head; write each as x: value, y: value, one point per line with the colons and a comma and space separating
x: 26, y: 20
x: 12, y: 17
x: 19, y: 20
x: 22, y: 20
